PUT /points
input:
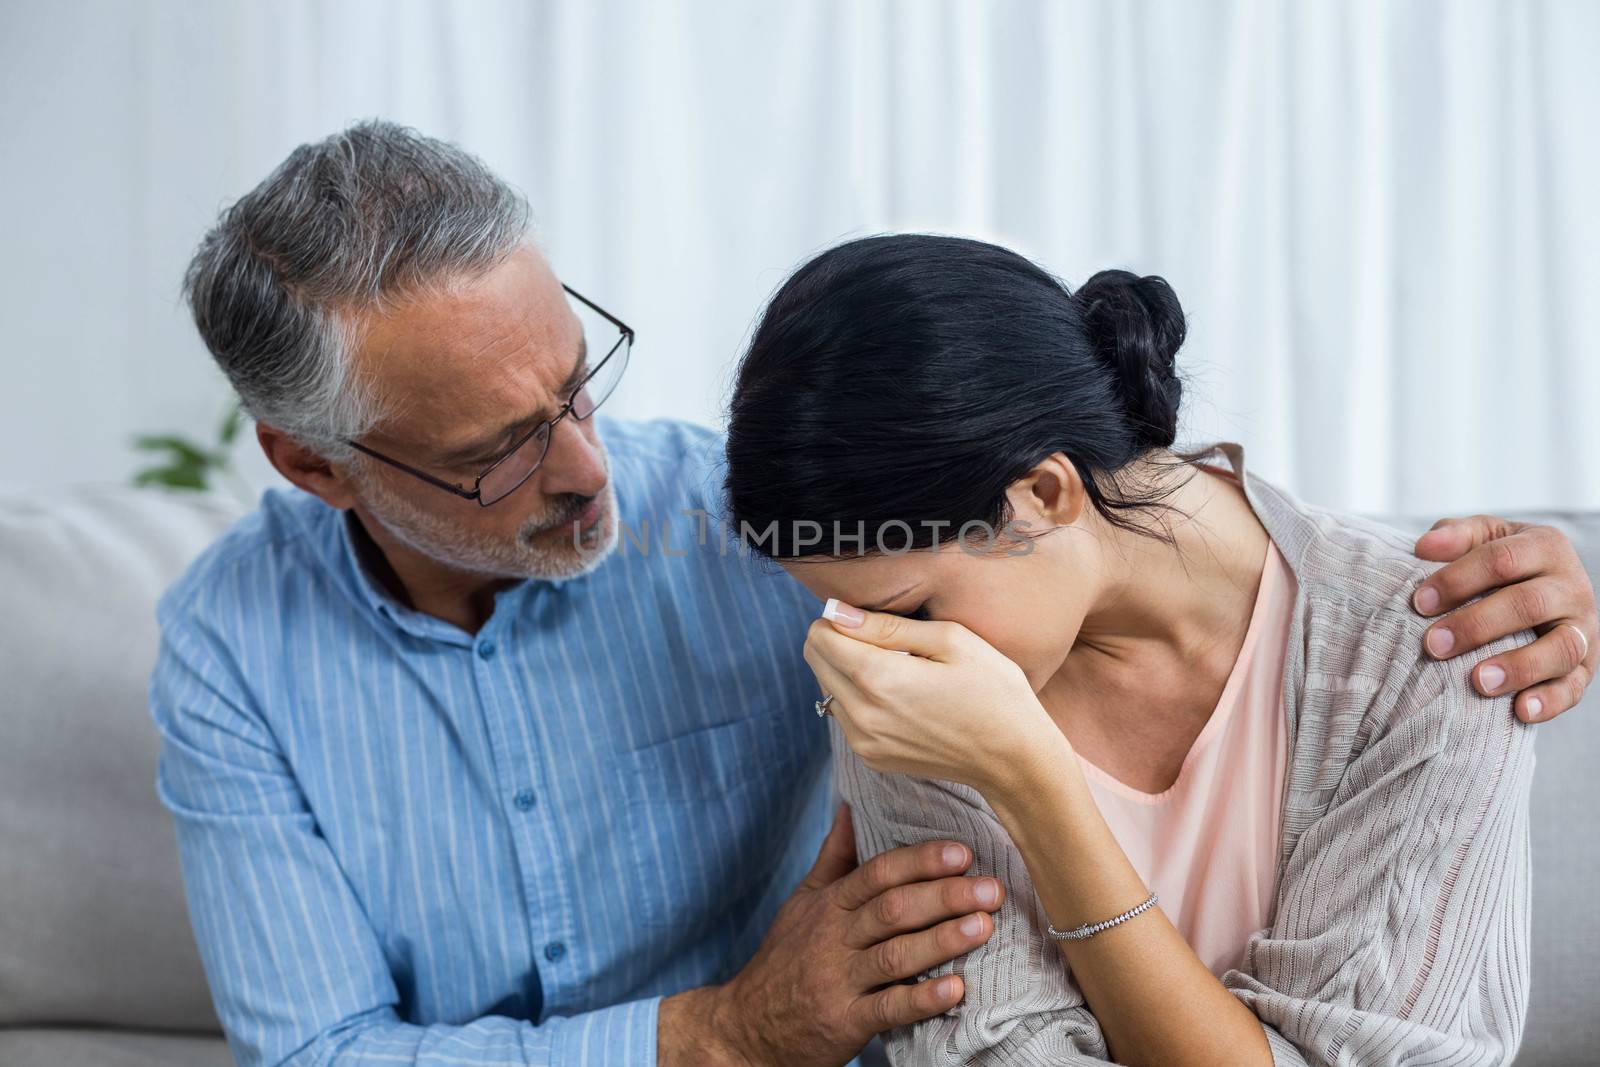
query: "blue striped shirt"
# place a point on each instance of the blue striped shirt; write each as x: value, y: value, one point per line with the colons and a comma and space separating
x: 404, y: 843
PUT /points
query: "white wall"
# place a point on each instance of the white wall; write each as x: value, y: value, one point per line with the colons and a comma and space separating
x: 1379, y: 215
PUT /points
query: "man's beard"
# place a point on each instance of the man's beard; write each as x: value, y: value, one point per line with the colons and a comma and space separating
x: 560, y: 555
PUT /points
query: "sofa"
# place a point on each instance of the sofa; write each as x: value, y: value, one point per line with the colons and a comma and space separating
x: 98, y: 966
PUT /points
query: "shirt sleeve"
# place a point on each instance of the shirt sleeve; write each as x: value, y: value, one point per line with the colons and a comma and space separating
x: 294, y: 966
x: 1020, y: 1007
x: 1402, y: 923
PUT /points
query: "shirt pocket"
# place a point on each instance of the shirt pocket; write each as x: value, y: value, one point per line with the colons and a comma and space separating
x: 712, y: 811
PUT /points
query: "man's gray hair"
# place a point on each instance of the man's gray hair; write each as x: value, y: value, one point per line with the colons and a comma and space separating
x: 279, y: 285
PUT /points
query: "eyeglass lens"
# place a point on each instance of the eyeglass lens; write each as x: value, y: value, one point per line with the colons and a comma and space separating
x: 518, y: 467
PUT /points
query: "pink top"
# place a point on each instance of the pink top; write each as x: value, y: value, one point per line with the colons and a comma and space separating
x: 1208, y: 845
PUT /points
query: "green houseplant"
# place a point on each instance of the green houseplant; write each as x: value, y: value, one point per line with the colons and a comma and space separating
x: 182, y: 463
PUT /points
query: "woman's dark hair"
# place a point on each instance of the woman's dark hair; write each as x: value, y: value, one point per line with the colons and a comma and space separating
x: 909, y: 379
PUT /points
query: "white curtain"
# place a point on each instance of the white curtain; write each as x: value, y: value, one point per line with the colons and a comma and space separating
x: 1379, y: 215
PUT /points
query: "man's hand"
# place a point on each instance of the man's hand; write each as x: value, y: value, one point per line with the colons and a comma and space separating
x: 831, y: 972
x: 1534, y: 580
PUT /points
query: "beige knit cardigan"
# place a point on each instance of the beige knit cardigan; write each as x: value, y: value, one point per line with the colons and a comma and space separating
x: 1399, y: 933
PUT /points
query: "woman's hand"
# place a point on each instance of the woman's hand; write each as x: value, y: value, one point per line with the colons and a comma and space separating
x: 954, y: 708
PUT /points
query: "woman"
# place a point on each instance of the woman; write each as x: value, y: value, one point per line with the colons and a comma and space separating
x: 1183, y: 716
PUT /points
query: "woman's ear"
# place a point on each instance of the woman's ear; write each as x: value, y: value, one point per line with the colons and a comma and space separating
x: 1050, y: 495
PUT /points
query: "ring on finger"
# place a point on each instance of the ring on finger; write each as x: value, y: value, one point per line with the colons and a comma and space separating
x: 822, y: 705
x: 1582, y: 637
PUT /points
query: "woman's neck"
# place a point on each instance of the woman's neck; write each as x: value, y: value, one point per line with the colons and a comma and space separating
x: 1157, y: 645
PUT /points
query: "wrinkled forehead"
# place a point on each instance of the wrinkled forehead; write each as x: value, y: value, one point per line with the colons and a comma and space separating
x: 473, y: 353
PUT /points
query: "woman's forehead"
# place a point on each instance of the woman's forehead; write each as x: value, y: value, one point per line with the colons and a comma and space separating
x: 865, y: 581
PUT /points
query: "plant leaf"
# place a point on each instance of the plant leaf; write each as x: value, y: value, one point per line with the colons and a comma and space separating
x: 181, y: 447
x: 231, y: 423
x: 173, y: 476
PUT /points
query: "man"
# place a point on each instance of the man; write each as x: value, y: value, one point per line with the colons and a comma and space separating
x: 482, y: 745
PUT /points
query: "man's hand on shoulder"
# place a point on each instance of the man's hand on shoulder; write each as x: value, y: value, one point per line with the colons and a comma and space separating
x: 832, y: 971
x: 1530, y: 577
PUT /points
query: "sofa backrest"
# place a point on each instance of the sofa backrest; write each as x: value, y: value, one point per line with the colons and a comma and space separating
x: 93, y: 926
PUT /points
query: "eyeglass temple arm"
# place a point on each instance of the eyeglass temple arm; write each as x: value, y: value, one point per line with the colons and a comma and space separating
x: 465, y: 494
x: 602, y: 312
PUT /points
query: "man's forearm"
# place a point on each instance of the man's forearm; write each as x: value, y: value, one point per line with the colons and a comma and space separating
x: 697, y: 1028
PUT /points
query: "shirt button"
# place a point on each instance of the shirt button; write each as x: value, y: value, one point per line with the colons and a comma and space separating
x: 523, y: 800
x: 554, y: 951
x: 486, y: 650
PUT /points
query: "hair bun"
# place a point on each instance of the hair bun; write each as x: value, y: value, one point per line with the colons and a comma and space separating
x: 1136, y: 325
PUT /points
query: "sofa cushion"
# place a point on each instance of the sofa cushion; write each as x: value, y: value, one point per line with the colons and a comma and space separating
x: 110, y: 1048
x: 93, y: 926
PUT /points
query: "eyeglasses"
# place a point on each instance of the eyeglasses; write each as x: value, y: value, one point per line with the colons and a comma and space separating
x: 516, y: 465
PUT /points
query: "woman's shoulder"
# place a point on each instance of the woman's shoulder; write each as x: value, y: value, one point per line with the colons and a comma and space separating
x: 1361, y: 669
x: 1356, y: 576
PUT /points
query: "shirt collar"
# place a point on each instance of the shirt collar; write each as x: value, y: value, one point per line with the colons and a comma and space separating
x: 372, y: 593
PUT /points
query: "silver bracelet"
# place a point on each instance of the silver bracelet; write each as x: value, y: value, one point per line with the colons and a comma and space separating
x: 1088, y: 930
